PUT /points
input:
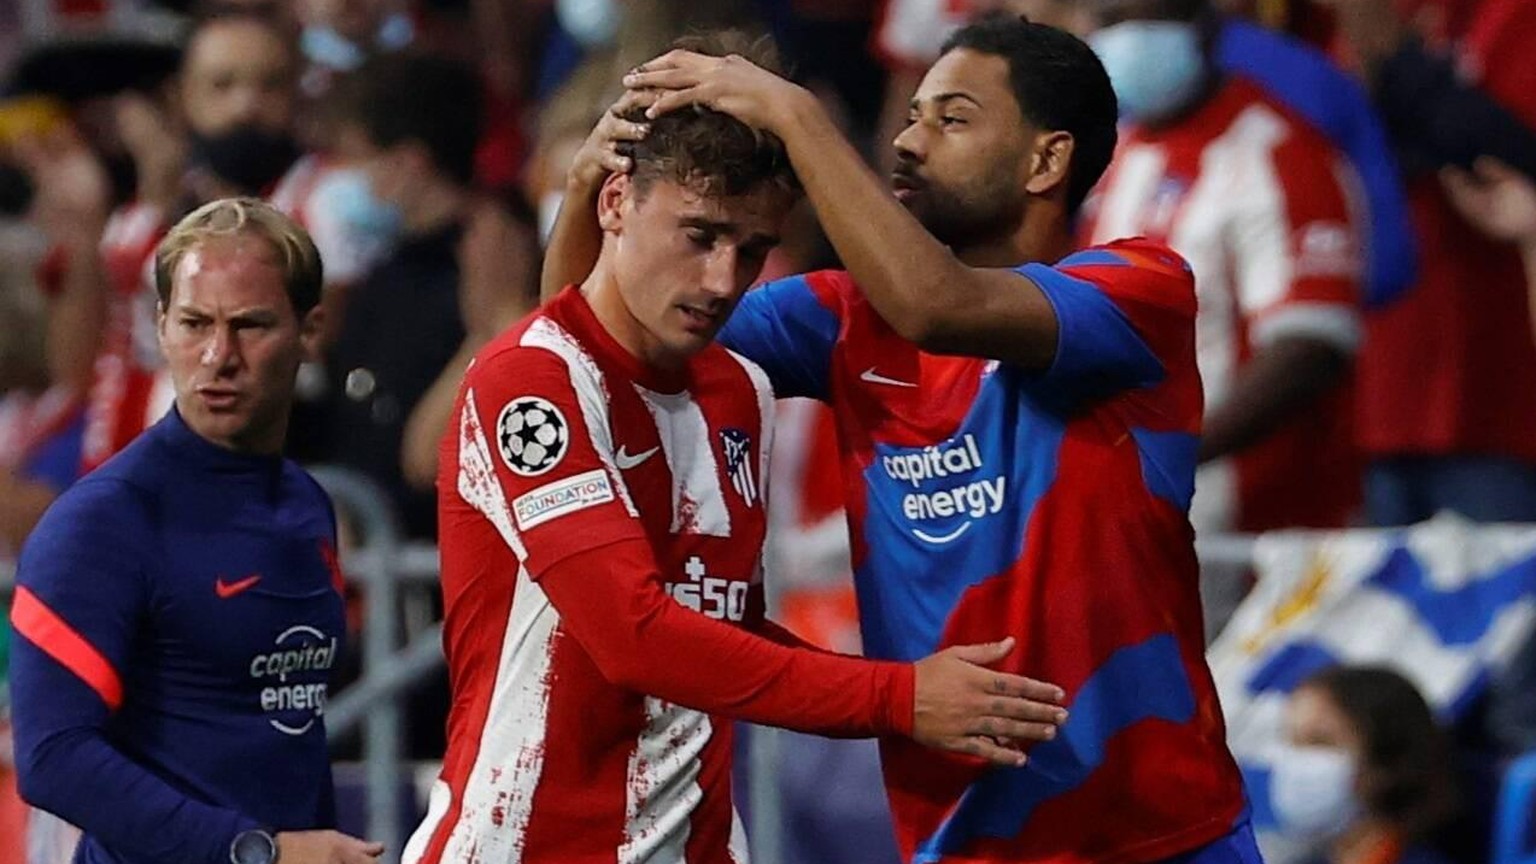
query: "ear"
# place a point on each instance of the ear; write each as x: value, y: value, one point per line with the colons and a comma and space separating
x: 616, y: 191
x: 1051, y: 162
x: 162, y: 314
x: 311, y: 328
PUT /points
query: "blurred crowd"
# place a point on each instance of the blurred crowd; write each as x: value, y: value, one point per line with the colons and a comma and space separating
x: 1351, y: 180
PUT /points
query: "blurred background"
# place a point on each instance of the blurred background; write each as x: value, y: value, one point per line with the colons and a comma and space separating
x: 1368, y: 542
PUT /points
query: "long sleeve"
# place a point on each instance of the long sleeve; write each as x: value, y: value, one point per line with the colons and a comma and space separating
x: 641, y: 639
x: 79, y: 610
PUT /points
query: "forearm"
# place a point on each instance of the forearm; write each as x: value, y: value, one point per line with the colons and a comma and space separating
x: 574, y: 243
x: 77, y: 316
x: 428, y: 422
x: 1281, y: 380
x: 68, y: 766
x: 641, y: 639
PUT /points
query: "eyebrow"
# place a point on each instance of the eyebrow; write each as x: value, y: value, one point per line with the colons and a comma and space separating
x: 729, y: 228
x: 252, y: 316
x: 946, y: 97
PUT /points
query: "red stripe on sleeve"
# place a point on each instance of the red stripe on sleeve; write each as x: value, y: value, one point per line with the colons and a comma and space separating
x: 44, y: 628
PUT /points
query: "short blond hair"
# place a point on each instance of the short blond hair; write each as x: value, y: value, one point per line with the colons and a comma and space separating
x: 303, y: 274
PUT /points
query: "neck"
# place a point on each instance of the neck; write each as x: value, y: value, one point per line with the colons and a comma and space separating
x: 602, y: 292
x: 1043, y: 235
x: 437, y: 204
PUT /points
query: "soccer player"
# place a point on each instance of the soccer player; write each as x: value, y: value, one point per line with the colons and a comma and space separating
x: 177, y: 611
x: 1019, y: 422
x: 602, y: 518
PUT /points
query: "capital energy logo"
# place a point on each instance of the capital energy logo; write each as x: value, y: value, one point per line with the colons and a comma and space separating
x: 298, y: 653
x: 944, y: 488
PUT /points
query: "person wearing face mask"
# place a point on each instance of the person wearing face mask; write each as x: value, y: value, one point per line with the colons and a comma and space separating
x: 1261, y: 205
x: 1364, y: 776
x: 226, y: 130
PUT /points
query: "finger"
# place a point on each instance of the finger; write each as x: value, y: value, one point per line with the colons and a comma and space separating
x: 1004, y: 684
x: 625, y: 130
x: 1024, y: 709
x: 614, y: 162
x: 663, y: 79
x: 373, y: 849
x: 670, y: 101
x: 985, y: 653
x: 1018, y: 730
x: 633, y: 99
x: 985, y: 748
x: 675, y: 57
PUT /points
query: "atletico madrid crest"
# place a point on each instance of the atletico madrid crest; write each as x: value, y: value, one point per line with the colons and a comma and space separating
x: 738, y: 463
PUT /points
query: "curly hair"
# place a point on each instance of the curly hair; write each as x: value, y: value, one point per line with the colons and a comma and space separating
x: 705, y: 149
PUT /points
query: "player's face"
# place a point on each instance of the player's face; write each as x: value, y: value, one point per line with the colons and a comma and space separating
x: 963, y: 160
x: 683, y: 258
x: 1313, y: 720
x: 237, y: 73
x: 233, y: 343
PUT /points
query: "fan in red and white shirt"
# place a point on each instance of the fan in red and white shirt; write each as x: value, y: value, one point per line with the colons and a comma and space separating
x: 1263, y: 208
x: 239, y: 130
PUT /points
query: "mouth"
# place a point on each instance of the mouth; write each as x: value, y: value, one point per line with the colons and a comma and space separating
x: 218, y: 398
x: 905, y: 185
x: 697, y: 319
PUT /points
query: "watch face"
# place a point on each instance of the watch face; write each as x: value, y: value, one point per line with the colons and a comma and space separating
x: 253, y: 847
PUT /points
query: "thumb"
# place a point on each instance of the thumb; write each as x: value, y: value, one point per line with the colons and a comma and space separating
x: 986, y: 653
x: 373, y: 849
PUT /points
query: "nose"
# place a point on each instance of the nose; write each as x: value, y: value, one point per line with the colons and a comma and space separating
x: 720, y: 272
x: 911, y: 144
x: 245, y: 103
x: 222, y: 351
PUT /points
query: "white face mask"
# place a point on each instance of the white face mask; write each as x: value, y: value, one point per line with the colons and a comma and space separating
x: 1312, y: 791
x: 593, y: 23
x: 1156, y: 67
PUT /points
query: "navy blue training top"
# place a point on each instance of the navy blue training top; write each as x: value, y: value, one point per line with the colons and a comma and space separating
x: 179, y: 619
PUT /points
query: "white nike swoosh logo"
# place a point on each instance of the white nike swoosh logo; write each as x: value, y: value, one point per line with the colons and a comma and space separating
x: 627, y: 461
x: 874, y: 377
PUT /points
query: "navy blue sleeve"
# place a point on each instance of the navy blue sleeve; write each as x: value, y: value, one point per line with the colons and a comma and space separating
x: 81, y: 602
x: 789, y: 327
x: 1310, y: 84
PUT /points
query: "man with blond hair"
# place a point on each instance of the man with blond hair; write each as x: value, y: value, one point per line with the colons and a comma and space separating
x: 177, y: 610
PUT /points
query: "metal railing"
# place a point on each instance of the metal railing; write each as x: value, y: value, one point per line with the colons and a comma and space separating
x: 383, y: 564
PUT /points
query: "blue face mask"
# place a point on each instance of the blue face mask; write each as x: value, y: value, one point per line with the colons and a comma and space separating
x: 1156, y: 67
x: 321, y: 44
x: 350, y: 198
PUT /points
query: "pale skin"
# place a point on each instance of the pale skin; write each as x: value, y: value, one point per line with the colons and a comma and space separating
x: 233, y: 344
x: 673, y: 263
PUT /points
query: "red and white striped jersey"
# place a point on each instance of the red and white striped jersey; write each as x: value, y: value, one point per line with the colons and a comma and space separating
x: 563, y: 449
x: 1264, y: 209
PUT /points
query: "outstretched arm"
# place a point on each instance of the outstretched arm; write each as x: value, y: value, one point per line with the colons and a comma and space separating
x: 916, y: 284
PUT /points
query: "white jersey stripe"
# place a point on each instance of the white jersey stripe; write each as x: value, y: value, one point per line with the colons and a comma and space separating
x: 591, y: 393
x: 498, y: 796
x: 663, y: 788
x: 698, y: 502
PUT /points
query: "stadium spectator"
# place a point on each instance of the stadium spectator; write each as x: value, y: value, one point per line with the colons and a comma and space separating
x: 1446, y: 374
x: 226, y: 128
x: 603, y: 522
x: 460, y: 270
x: 1365, y: 776
x: 1258, y: 202
x: 981, y: 485
x: 177, y: 612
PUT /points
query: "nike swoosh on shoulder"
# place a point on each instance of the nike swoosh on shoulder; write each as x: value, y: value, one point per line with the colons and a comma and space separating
x: 874, y: 377
x: 627, y: 461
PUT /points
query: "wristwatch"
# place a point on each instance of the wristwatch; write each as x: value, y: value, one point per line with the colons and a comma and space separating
x: 256, y: 846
